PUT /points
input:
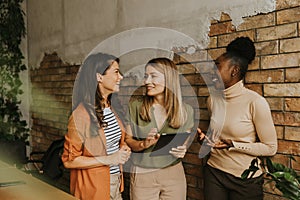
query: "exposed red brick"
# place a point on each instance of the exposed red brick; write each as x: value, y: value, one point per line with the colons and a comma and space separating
x: 274, y: 74
x: 288, y: 147
x: 52, y: 98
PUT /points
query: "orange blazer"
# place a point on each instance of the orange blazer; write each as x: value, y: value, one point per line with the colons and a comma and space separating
x: 92, y: 183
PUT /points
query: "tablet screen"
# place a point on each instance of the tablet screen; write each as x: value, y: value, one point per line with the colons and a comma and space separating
x: 167, y: 141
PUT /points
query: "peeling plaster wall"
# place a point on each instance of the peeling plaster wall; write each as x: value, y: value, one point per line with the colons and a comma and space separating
x: 73, y: 28
x: 24, y: 76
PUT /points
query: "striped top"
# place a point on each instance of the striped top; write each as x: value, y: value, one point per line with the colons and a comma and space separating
x: 113, y: 135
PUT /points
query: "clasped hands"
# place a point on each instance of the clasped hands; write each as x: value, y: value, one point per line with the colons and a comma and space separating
x: 221, y: 144
x: 152, y: 138
x: 121, y: 156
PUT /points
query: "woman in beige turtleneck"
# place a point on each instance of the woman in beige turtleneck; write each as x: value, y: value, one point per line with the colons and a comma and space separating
x: 247, y: 131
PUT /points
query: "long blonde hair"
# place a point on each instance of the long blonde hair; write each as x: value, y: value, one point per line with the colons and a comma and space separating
x: 172, y: 95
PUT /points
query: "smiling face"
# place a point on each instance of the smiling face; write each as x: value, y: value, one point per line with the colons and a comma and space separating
x: 110, y: 81
x: 226, y: 75
x: 154, y: 81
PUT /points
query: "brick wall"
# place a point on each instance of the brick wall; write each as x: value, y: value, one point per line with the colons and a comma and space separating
x: 52, y: 85
x: 274, y: 74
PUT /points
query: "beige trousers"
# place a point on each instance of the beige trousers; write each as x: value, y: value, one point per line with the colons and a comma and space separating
x: 115, y: 181
x: 161, y: 184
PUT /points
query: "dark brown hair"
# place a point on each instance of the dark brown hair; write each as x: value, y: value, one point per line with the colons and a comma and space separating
x: 86, y: 88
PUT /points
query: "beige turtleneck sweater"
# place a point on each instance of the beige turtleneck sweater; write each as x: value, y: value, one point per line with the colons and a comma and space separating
x: 248, y: 123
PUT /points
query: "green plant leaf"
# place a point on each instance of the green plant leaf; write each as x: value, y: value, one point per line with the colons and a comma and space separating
x: 278, y: 167
x: 270, y: 165
x: 289, y: 177
x: 288, y: 191
x: 245, y: 174
x: 278, y: 174
x: 12, y: 29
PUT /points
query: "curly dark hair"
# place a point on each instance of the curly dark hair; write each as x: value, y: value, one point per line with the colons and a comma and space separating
x: 242, y: 52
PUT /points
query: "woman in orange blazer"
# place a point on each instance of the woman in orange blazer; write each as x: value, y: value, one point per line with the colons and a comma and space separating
x: 94, y: 148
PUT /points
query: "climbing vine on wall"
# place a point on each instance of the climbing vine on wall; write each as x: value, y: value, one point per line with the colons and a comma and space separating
x: 12, y: 30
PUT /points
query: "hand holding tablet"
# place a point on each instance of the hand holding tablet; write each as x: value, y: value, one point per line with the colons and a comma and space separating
x: 168, y: 142
x: 178, y: 152
x: 151, y: 139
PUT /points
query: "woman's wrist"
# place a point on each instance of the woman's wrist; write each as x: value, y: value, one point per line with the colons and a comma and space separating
x: 142, y: 145
x: 231, y: 144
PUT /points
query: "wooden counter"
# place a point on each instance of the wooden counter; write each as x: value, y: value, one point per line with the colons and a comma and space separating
x: 17, y: 185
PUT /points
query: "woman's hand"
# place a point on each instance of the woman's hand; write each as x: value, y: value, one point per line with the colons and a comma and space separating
x: 201, y: 135
x: 151, y: 139
x: 119, y: 157
x: 223, y: 144
x: 126, y: 147
x: 179, y: 152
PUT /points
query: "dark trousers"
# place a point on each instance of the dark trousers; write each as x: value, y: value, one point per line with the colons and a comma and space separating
x: 219, y: 185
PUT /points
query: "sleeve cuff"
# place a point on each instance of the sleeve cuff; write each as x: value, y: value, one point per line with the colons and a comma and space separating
x: 239, y: 146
